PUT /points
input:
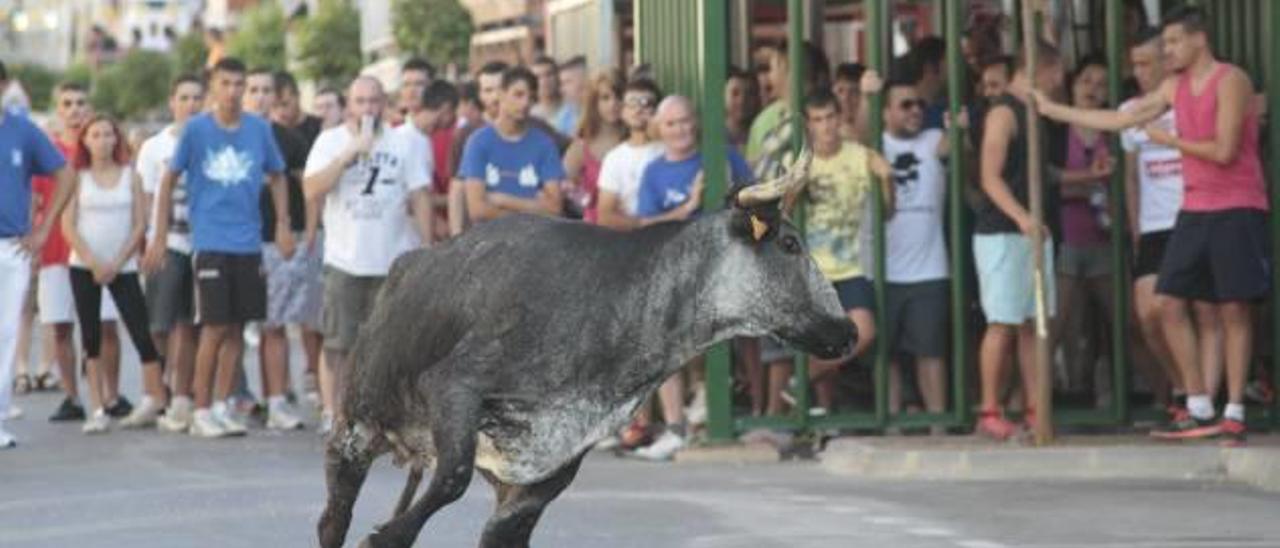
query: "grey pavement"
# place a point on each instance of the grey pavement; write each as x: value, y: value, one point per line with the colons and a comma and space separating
x: 146, y: 489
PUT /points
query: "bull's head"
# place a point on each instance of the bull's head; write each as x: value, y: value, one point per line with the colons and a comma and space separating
x: 769, y: 276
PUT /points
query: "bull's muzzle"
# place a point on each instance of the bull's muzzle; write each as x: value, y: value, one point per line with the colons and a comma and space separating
x: 828, y: 339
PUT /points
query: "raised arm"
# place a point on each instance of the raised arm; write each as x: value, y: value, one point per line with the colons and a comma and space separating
x: 1145, y: 109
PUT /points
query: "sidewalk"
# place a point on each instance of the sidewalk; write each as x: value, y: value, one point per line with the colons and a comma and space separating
x: 1096, y: 457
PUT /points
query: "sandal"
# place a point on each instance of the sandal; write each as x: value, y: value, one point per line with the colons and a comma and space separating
x: 47, y: 382
x: 22, y: 383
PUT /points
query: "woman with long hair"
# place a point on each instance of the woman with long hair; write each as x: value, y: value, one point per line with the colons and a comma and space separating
x: 104, y: 222
x: 599, y: 131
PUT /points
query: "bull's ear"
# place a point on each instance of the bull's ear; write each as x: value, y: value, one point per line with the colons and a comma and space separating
x: 756, y: 224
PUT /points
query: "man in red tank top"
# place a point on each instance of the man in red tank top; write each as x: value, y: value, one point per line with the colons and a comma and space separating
x: 1218, y: 253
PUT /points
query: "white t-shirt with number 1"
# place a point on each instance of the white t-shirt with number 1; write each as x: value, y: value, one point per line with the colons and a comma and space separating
x: 364, y: 215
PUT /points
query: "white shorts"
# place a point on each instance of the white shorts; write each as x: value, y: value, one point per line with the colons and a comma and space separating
x: 55, y: 301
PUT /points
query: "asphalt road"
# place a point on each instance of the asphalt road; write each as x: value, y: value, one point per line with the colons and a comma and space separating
x: 146, y: 489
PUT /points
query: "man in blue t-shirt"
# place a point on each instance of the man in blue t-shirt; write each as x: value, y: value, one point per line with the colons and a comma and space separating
x: 670, y: 186
x: 226, y: 155
x: 24, y: 151
x: 671, y: 190
x: 510, y: 167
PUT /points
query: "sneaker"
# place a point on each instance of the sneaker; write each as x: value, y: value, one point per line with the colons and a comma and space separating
x: 231, y: 426
x: 994, y: 425
x: 120, y: 409
x: 280, y: 418
x: 7, y: 441
x: 13, y: 413
x: 99, y: 423
x: 1232, y: 433
x: 177, y: 418
x: 1188, y: 429
x: 203, y: 425
x: 143, y: 416
x: 634, y: 436
x: 70, y: 410
x: 325, y: 425
x: 663, y: 449
x: 696, y: 412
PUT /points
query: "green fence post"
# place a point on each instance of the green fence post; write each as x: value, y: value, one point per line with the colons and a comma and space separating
x: 1273, y: 85
x: 1119, y: 227
x: 795, y: 82
x: 713, y: 58
x: 877, y: 22
x: 960, y: 245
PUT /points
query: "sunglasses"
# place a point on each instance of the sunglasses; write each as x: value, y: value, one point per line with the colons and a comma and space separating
x: 912, y: 104
x: 639, y: 102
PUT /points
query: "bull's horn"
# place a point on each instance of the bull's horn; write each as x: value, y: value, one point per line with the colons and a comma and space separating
x: 795, y: 172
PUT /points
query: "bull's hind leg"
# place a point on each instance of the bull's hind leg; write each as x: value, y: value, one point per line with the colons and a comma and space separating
x: 410, y: 489
x: 520, y: 506
x: 348, y: 455
x: 454, y: 437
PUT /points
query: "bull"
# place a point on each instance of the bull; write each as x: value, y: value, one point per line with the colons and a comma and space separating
x: 515, y: 348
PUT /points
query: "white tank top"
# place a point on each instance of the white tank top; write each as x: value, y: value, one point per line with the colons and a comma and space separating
x: 104, y: 218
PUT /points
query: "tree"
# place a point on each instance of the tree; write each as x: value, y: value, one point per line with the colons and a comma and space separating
x: 38, y: 82
x: 328, y: 43
x: 189, y: 54
x: 133, y: 85
x: 259, y: 40
x: 437, y: 30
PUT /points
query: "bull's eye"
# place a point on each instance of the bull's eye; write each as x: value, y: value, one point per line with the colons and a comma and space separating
x: 791, y: 244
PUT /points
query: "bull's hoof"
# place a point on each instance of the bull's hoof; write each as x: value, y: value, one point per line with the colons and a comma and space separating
x: 386, y: 539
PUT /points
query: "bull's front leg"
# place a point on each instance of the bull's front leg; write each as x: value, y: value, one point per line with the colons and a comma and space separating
x: 348, y: 456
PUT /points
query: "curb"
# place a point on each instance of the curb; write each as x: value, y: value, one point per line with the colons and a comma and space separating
x: 738, y: 453
x: 1258, y: 467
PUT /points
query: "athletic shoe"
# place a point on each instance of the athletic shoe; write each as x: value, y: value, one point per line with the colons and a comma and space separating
x: 994, y: 425
x: 1189, y: 429
x: 13, y: 413
x: 7, y: 441
x: 143, y: 416
x: 120, y: 409
x: 231, y: 426
x: 634, y: 436
x: 1232, y: 433
x: 279, y: 418
x: 70, y: 410
x: 177, y: 418
x: 99, y: 423
x: 663, y: 449
x: 203, y: 425
x: 326, y: 424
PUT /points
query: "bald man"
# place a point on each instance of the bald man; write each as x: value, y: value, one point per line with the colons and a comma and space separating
x: 671, y: 190
x: 366, y: 176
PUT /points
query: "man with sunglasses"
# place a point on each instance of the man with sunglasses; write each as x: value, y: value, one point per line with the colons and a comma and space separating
x: 54, y: 299
x: 24, y: 151
x: 621, y: 169
x: 916, y: 267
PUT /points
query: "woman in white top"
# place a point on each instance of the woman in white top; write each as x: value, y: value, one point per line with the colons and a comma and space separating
x: 104, y: 223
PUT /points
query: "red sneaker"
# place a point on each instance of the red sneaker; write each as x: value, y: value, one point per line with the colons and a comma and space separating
x: 1232, y: 433
x: 635, y: 435
x: 994, y: 425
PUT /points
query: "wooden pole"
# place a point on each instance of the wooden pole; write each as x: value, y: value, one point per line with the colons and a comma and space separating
x: 1044, y: 380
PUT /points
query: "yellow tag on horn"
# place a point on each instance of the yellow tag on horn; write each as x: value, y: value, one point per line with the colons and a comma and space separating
x: 758, y: 228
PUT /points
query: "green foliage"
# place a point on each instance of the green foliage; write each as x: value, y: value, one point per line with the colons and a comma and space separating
x: 189, y: 54
x: 133, y: 85
x: 328, y: 43
x: 436, y: 30
x: 38, y: 81
x: 259, y: 40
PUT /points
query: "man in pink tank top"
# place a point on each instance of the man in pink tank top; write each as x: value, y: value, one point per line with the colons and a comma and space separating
x: 1218, y: 253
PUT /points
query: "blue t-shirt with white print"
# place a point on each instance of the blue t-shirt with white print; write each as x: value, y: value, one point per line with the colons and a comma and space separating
x: 26, y: 151
x: 664, y: 184
x: 225, y: 170
x: 517, y: 168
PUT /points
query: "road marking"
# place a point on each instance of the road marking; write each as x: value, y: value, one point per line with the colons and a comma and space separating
x: 931, y: 532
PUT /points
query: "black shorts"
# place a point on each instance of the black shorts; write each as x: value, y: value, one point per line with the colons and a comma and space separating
x: 231, y: 288
x: 1150, y: 253
x: 855, y: 293
x: 1220, y: 256
x: 171, y: 293
x: 917, y: 319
